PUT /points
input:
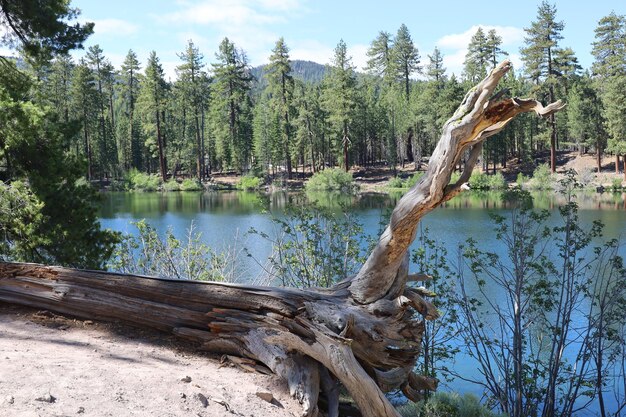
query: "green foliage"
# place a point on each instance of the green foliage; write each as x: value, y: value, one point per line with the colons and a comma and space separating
x: 313, y: 247
x: 189, y: 184
x: 413, y: 179
x: 482, y: 181
x: 171, y: 185
x: 33, y: 145
x: 42, y: 29
x: 616, y: 184
x: 497, y: 182
x: 548, y: 275
x: 20, y: 218
x: 249, y: 182
x: 395, y: 182
x: 521, y: 179
x: 542, y: 178
x: 479, y: 181
x: 148, y: 254
x: 443, y: 404
x: 138, y: 181
x: 331, y: 179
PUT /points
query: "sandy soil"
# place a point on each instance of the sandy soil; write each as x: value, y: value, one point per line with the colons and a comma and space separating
x: 51, y: 365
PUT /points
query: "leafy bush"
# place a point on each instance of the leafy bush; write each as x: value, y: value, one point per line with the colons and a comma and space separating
x: 314, y: 247
x: 497, y: 182
x: 333, y: 179
x: 395, y: 182
x: 412, y: 180
x: 616, y: 184
x: 189, y: 184
x: 542, y: 178
x: 171, y: 185
x: 146, y: 253
x: 249, y: 182
x: 139, y: 181
x: 118, y: 185
x: 479, y: 181
x: 443, y: 404
x: 521, y: 179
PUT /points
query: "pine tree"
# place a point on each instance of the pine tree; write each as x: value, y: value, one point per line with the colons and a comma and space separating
x: 340, y: 98
x: 153, y: 103
x: 494, y: 51
x: 130, y: 147
x: 281, y: 90
x: 435, y: 70
x: 229, y: 110
x: 539, y: 55
x: 406, y: 58
x: 477, y: 57
x: 83, y: 102
x: 609, y: 68
x: 190, y: 75
x: 380, y: 54
x: 585, y: 121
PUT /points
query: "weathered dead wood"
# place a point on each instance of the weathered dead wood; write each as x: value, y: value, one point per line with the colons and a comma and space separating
x: 363, y: 333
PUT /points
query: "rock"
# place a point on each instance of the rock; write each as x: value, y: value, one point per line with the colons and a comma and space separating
x: 87, y: 322
x: 265, y: 396
x: 182, y: 395
x: 46, y: 398
x: 203, y: 400
x: 9, y: 399
x: 186, y: 379
x: 81, y: 410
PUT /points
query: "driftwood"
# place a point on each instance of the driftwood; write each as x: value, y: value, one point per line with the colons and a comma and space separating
x: 363, y: 333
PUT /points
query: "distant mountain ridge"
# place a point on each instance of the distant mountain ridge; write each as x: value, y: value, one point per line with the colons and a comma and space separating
x: 307, y: 71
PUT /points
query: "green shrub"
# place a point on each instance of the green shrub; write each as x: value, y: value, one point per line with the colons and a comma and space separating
x: 118, y: 185
x: 479, y: 181
x: 443, y: 404
x: 139, y: 181
x: 542, y: 178
x: 333, y: 179
x: 249, y: 182
x: 189, y: 184
x: 616, y: 184
x: 521, y: 179
x: 395, y: 182
x: 412, y: 180
x: 497, y: 182
x: 171, y: 185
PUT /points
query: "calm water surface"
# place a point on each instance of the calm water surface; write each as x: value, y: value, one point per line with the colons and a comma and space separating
x: 223, y: 218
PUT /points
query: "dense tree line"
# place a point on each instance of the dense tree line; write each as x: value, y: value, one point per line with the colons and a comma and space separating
x: 214, y: 117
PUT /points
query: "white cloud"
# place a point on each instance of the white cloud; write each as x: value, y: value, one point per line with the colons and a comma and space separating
x: 510, y: 35
x: 454, y: 46
x: 311, y: 50
x: 359, y: 56
x: 232, y: 12
x: 247, y: 23
x: 115, y: 27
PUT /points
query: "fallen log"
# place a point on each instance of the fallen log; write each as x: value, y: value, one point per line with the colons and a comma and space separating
x: 362, y: 333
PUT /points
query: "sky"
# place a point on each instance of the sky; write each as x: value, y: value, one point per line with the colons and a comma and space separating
x: 312, y: 28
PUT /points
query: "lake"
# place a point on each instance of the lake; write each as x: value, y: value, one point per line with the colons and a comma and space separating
x: 223, y: 218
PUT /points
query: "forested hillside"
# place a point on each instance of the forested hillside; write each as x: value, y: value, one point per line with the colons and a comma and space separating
x: 219, y: 114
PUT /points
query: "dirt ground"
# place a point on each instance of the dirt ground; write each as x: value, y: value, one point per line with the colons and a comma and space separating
x: 52, y: 365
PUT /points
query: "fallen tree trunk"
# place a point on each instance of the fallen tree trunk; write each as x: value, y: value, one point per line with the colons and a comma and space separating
x: 362, y: 333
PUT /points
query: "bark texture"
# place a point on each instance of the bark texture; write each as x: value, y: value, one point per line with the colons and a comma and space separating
x: 363, y: 333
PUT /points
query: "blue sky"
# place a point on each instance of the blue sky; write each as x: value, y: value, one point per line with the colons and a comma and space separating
x: 312, y: 28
